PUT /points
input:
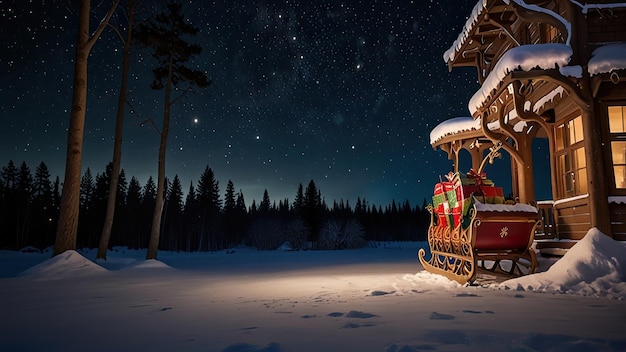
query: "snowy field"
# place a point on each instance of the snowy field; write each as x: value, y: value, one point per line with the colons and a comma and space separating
x: 373, y: 299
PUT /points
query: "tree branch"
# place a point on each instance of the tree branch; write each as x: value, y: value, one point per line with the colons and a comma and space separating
x: 152, y: 123
x: 105, y: 21
x: 185, y: 91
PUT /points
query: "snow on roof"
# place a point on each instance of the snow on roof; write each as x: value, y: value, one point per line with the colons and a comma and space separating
x: 575, y: 71
x: 453, y: 126
x: 548, y: 98
x: 607, y: 58
x: 525, y: 57
x: 457, y: 125
x: 450, y: 54
x: 617, y: 199
x: 568, y: 26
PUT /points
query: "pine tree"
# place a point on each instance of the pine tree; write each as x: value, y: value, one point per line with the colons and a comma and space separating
x: 241, y: 203
x: 231, y: 221
x: 9, y: 227
x: 173, y: 222
x: 229, y: 198
x: 313, y: 209
x: 191, y: 215
x: 264, y: 206
x: 149, y: 192
x: 43, y: 206
x: 210, y: 206
x: 133, y: 216
x: 298, y: 203
x: 23, y: 205
x: 149, y: 201
x: 3, y: 215
x: 87, y: 187
x: 165, y: 34
x: 241, y: 216
x: 9, y: 175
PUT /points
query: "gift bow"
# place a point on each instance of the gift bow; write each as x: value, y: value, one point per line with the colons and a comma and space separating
x: 477, y: 176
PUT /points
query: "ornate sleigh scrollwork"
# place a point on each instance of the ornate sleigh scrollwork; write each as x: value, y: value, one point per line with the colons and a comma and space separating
x: 494, y: 237
x: 488, y: 242
x: 451, y: 249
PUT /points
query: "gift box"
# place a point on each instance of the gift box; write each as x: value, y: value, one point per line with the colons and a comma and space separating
x: 492, y: 195
x: 444, y: 201
x: 446, y: 204
x: 480, y: 186
x: 452, y: 199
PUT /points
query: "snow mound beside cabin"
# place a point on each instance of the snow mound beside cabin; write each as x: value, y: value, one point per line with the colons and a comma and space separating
x: 595, y: 266
x: 67, y: 264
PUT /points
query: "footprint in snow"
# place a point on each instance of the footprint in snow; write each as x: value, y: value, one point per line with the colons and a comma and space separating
x: 246, y: 347
x: 407, y: 348
x: 381, y: 293
x: 361, y: 315
x: 441, y: 316
x: 354, y: 325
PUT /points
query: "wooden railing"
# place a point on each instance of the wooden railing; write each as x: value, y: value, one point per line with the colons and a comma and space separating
x: 546, y: 229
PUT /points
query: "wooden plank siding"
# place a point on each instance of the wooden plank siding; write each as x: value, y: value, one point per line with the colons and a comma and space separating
x: 573, y: 219
x: 606, y: 25
x: 618, y: 220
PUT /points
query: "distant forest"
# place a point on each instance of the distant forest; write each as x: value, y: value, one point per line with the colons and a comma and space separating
x: 202, y: 221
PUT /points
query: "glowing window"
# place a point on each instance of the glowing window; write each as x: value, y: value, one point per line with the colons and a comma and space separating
x: 617, y: 127
x: 617, y: 114
x: 571, y: 159
x: 618, y: 152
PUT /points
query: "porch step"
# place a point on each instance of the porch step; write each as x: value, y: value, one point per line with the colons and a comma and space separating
x: 554, y: 247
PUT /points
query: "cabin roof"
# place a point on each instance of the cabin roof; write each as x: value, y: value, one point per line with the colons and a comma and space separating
x: 482, y: 8
x: 525, y: 58
x: 465, y: 124
x: 605, y: 59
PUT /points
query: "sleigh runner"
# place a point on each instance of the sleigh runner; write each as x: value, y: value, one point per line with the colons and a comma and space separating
x: 471, y: 226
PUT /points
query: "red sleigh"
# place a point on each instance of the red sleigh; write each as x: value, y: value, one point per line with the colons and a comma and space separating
x: 472, y: 227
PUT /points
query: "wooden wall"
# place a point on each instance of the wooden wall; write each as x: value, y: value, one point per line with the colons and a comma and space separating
x: 618, y: 220
x: 573, y: 219
x: 606, y: 25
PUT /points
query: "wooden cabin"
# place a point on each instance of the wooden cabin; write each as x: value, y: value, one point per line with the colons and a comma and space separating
x: 554, y: 70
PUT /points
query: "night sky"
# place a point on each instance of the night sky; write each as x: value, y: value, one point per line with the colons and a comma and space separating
x: 344, y: 93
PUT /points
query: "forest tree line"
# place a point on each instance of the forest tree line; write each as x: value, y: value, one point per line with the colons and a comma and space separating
x: 202, y: 219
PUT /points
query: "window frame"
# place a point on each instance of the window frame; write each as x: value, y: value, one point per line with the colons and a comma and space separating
x: 615, y: 137
x: 570, y: 157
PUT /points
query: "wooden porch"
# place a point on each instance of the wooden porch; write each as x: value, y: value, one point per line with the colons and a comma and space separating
x: 565, y: 222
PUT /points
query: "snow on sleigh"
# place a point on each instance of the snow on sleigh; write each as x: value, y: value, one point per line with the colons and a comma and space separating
x: 471, y: 227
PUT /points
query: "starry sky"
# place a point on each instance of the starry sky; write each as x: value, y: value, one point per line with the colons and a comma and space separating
x: 341, y: 92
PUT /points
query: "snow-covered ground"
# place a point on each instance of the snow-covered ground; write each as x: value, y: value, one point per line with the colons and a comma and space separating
x: 373, y: 299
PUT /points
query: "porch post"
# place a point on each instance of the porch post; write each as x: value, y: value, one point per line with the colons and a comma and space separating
x: 598, y: 193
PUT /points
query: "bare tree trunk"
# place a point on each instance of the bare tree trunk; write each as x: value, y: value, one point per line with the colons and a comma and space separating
x: 117, y: 148
x: 155, y: 231
x: 68, y: 217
